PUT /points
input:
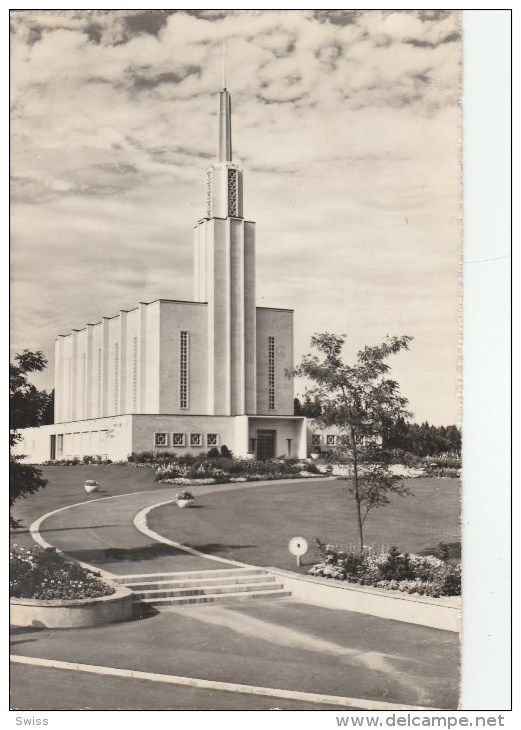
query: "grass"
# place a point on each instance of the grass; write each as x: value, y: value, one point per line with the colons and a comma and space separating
x: 66, y: 486
x: 255, y: 525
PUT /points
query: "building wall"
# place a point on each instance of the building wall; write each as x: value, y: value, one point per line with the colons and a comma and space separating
x: 177, y: 317
x: 277, y: 323
x: 130, y: 363
x: 109, y: 438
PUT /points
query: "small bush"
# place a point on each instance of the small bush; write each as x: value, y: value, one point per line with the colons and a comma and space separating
x: 225, y: 451
x: 45, y: 574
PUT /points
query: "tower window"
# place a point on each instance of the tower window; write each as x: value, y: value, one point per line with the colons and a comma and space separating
x: 233, y: 207
x: 271, y: 373
x: 183, y: 370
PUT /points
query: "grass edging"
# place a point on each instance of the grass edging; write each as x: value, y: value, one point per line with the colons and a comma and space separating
x: 438, y: 613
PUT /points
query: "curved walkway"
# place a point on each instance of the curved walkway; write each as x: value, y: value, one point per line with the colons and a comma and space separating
x: 284, y: 645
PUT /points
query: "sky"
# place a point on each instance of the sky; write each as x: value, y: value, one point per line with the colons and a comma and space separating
x: 346, y: 123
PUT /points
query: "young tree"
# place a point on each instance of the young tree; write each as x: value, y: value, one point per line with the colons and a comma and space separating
x: 27, y: 407
x: 362, y: 402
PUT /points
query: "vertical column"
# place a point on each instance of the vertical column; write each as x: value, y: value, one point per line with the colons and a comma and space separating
x: 90, y: 372
x: 74, y: 391
x: 250, y: 320
x: 122, y: 401
x: 58, y: 379
x: 237, y: 349
x: 105, y: 367
x: 142, y: 346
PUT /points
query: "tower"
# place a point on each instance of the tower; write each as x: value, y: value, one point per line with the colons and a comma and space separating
x: 224, y: 277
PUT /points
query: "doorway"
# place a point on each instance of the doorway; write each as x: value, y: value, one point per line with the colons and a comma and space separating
x: 265, y: 445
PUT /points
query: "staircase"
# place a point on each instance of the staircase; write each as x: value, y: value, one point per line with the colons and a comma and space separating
x: 165, y: 590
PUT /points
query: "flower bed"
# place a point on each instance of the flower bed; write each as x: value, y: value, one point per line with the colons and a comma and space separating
x: 424, y: 575
x: 220, y: 470
x: 44, y: 574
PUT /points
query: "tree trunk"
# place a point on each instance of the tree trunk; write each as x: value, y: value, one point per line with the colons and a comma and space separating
x: 357, y: 493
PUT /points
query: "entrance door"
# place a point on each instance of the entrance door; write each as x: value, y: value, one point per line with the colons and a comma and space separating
x: 266, y: 445
x: 53, y: 447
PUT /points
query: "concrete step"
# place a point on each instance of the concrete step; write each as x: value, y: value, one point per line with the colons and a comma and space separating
x: 185, y: 575
x: 152, y: 595
x: 160, y: 603
x: 235, y: 579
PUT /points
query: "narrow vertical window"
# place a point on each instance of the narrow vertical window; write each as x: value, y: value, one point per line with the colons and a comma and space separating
x: 183, y: 370
x: 134, y: 376
x: 84, y: 384
x: 271, y: 373
x: 116, y: 376
x: 70, y: 389
x: 99, y: 382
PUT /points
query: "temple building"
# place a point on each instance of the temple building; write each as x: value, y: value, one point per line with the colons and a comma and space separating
x: 183, y: 376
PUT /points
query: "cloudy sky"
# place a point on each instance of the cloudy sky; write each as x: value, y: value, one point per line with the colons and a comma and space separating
x: 347, y: 124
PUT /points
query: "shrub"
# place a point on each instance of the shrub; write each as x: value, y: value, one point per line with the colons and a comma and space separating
x: 390, y: 569
x: 185, y: 494
x: 225, y: 451
x: 45, y: 574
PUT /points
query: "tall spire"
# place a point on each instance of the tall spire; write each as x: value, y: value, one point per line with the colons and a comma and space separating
x: 224, y: 64
x: 225, y: 118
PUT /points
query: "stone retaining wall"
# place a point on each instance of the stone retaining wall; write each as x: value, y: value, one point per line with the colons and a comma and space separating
x: 66, y: 614
x: 438, y: 613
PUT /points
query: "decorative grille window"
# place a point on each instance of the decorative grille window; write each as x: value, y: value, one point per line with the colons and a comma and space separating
x: 316, y: 439
x: 212, y: 439
x: 330, y: 440
x: 233, y: 208
x: 209, y: 193
x: 271, y: 373
x: 196, y: 439
x: 160, y: 439
x: 178, y: 439
x: 183, y: 370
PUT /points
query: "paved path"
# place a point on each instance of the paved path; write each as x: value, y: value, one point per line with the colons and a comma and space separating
x: 282, y: 644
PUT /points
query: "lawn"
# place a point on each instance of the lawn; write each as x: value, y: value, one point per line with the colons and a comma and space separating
x: 66, y: 486
x: 255, y: 525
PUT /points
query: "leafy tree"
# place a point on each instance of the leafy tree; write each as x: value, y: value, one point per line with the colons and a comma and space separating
x: 362, y: 402
x: 27, y: 406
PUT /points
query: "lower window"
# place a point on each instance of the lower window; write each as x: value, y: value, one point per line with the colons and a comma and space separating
x: 160, y: 439
x: 178, y: 439
x: 212, y: 439
x: 196, y: 439
x: 330, y: 440
x: 315, y: 439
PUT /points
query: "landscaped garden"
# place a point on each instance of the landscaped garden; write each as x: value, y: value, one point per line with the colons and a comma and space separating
x: 254, y: 525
